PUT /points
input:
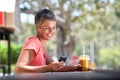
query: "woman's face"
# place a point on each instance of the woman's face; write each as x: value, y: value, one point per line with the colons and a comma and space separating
x: 47, y: 29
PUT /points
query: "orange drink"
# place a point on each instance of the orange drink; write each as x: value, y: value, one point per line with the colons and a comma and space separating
x: 85, y: 62
x: 92, y: 65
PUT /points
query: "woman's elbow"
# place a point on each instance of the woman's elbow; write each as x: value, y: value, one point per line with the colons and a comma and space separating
x: 18, y: 69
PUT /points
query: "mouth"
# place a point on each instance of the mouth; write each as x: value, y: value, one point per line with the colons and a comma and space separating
x: 50, y: 35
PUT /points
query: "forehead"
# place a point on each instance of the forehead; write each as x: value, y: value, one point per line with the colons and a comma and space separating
x: 49, y: 23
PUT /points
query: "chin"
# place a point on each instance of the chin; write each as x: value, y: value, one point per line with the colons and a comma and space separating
x: 48, y: 39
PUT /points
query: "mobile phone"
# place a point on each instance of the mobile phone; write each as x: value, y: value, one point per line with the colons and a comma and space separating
x: 62, y: 58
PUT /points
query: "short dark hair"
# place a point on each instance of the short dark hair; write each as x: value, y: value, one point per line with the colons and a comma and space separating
x: 44, y: 14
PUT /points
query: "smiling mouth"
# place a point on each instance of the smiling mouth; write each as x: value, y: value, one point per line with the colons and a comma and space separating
x: 50, y: 35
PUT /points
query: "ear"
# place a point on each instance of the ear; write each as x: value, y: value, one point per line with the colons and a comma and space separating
x: 36, y: 27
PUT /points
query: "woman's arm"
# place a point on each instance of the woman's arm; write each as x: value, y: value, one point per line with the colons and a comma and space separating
x: 24, y: 60
x: 22, y: 65
x: 48, y: 58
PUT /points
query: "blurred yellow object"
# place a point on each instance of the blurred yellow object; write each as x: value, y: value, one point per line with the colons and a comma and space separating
x: 92, y: 65
x: 85, y: 62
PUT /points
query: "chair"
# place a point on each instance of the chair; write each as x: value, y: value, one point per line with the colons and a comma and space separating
x: 3, y: 69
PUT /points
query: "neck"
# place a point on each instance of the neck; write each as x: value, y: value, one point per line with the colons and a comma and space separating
x: 43, y: 42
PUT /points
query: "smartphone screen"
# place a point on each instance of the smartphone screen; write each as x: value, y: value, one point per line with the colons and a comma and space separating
x: 62, y: 58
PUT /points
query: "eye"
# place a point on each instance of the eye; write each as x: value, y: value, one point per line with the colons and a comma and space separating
x: 54, y: 28
x: 46, y: 28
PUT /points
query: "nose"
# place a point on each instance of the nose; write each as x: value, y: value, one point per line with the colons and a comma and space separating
x: 51, y: 30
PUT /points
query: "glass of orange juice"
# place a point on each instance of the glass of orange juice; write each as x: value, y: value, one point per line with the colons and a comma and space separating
x: 84, y: 60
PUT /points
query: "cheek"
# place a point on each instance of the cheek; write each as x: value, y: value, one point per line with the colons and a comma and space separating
x: 54, y: 31
x: 40, y: 33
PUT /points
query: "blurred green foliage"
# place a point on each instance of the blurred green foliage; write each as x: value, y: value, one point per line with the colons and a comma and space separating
x: 15, y: 50
x: 3, y: 54
x: 110, y: 57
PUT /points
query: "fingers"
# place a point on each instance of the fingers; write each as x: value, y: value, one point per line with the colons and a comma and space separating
x: 62, y: 63
x: 58, y: 63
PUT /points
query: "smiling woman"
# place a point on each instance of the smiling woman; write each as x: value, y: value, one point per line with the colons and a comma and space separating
x: 47, y: 29
x: 33, y: 56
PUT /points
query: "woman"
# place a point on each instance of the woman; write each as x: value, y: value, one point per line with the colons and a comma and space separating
x: 33, y: 56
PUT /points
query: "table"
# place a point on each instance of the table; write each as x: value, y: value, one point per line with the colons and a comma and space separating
x: 5, y: 35
x: 100, y: 74
x: 3, y: 69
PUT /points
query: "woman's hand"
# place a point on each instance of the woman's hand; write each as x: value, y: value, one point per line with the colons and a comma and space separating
x: 70, y: 68
x: 54, y: 66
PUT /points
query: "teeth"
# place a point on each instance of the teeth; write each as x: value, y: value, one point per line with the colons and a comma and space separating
x: 49, y: 35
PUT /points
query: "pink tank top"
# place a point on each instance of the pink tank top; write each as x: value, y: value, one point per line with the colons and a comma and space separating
x: 34, y: 44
